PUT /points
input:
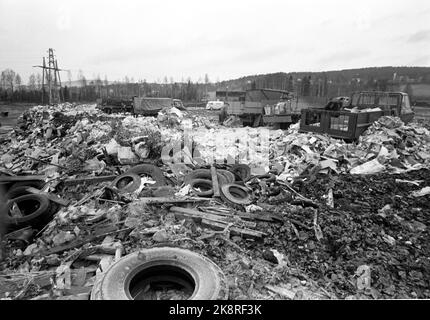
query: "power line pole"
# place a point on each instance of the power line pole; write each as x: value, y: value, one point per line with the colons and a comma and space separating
x: 51, y: 73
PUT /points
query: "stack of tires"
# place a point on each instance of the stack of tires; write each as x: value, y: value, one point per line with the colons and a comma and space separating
x: 35, y: 210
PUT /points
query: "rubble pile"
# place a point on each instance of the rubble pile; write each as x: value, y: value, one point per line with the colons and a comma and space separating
x: 296, y: 219
x: 387, y: 145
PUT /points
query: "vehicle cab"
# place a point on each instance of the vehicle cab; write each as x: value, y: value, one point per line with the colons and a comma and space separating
x: 396, y: 103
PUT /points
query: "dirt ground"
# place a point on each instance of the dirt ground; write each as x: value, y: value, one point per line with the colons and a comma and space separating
x: 14, y: 110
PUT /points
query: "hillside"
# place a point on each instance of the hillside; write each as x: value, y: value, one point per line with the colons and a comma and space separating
x: 364, y: 75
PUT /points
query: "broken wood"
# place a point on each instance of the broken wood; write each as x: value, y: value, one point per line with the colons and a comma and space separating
x: 303, y: 198
x: 21, y: 178
x: 299, y: 223
x: 48, y: 195
x: 78, y: 243
x: 47, y: 162
x: 162, y: 200
x: 246, y: 233
x: 210, y: 216
x: 97, y: 179
x: 215, y: 184
x: 244, y: 215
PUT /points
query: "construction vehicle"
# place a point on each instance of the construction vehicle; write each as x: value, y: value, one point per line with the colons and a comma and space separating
x: 138, y: 105
x: 349, y: 121
x: 262, y: 107
x: 114, y: 105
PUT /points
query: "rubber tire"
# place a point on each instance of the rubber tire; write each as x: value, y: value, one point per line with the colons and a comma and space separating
x: 210, y: 282
x: 38, y: 184
x: 230, y: 177
x: 154, y: 172
x: 206, y: 182
x: 268, y: 177
x: 242, y: 171
x: 130, y: 187
x: 204, y: 174
x: 16, y: 192
x: 229, y: 198
x: 37, y: 219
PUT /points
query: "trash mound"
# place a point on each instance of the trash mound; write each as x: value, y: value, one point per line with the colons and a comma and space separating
x: 387, y: 145
x: 298, y: 225
x: 377, y: 221
x: 67, y: 138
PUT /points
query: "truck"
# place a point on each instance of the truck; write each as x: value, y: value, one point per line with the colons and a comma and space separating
x: 349, y: 121
x: 146, y: 106
x: 262, y: 107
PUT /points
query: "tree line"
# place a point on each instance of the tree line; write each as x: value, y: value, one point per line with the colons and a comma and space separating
x: 312, y: 84
x: 12, y: 88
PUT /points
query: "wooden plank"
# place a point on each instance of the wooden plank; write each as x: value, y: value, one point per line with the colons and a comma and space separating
x: 21, y: 178
x: 215, y: 184
x: 97, y: 179
x: 246, y: 233
x: 215, y: 221
x: 211, y: 216
x: 198, y: 214
x: 162, y: 200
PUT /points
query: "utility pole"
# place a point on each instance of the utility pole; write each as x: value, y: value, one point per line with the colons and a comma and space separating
x: 51, y: 73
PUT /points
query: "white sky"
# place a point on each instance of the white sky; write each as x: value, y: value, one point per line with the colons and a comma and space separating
x: 224, y: 38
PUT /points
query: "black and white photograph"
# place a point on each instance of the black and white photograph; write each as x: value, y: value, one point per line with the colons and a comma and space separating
x: 230, y: 152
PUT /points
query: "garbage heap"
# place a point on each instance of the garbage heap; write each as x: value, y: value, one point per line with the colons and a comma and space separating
x: 292, y: 230
x: 387, y: 145
x: 66, y: 138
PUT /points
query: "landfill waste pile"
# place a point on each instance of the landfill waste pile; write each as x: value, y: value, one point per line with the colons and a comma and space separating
x: 281, y: 215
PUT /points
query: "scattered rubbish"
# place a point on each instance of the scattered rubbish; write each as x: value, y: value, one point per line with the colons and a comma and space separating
x: 420, y: 193
x: 363, y: 280
x: 84, y: 189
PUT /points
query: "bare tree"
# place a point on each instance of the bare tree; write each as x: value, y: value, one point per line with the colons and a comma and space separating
x: 18, y: 81
x: 106, y: 82
x: 8, y: 79
x: 38, y: 81
x: 32, y: 82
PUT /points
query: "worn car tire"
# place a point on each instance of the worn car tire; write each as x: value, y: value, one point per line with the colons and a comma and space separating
x: 131, y: 187
x: 38, y: 184
x: 16, y: 192
x: 229, y: 176
x: 36, y: 211
x: 241, y: 171
x: 235, y: 195
x: 154, y: 172
x: 204, y: 174
x: 209, y: 280
x: 202, y: 182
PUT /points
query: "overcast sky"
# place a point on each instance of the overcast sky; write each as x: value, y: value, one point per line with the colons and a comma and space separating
x: 224, y: 38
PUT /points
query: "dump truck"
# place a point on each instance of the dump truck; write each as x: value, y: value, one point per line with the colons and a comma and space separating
x: 349, y: 121
x: 114, y: 105
x: 138, y: 105
x: 262, y: 107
